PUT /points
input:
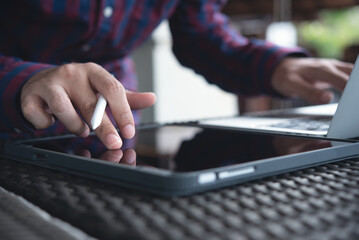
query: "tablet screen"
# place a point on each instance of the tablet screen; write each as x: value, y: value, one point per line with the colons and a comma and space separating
x: 186, y: 148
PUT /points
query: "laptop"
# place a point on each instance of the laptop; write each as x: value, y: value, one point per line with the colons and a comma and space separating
x: 336, y: 120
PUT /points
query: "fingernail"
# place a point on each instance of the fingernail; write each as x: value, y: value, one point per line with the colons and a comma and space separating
x: 128, y: 131
x: 113, y: 141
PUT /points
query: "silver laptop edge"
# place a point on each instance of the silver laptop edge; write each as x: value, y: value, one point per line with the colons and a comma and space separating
x: 344, y: 123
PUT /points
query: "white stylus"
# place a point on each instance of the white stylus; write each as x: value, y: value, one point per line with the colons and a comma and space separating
x: 99, y: 112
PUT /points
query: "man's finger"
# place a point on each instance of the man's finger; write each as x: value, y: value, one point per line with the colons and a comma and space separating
x: 108, y: 134
x: 106, y: 131
x: 301, y: 88
x: 140, y: 100
x: 115, y: 94
x: 60, y: 105
x: 34, y: 111
x: 336, y: 78
x: 344, y: 66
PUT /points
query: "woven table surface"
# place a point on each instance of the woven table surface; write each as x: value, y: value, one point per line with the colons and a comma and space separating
x: 315, y: 203
x: 20, y: 219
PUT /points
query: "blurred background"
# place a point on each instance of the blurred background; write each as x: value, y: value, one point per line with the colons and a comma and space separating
x: 327, y: 28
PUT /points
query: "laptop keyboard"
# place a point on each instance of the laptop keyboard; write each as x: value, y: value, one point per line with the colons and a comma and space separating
x: 304, y: 124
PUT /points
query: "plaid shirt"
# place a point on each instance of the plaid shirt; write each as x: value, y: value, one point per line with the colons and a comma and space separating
x: 38, y: 34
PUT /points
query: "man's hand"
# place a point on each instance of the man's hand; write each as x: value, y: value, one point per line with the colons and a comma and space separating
x: 310, y: 78
x: 70, y: 89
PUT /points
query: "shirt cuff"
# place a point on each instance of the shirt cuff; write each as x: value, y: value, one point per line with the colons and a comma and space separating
x: 13, y: 121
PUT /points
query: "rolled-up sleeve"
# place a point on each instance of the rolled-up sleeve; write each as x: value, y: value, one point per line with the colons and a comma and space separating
x: 13, y: 74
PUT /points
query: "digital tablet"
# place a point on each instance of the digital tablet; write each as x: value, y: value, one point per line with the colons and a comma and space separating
x: 176, y: 159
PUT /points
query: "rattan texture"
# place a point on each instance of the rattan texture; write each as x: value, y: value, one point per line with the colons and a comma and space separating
x: 315, y: 203
x: 21, y: 220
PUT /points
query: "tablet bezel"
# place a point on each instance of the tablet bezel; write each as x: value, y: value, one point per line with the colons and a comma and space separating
x: 168, y: 183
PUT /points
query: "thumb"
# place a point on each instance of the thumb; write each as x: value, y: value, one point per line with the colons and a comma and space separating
x: 139, y: 100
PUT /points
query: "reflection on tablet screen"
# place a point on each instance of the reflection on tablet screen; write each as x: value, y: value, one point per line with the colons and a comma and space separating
x: 186, y: 148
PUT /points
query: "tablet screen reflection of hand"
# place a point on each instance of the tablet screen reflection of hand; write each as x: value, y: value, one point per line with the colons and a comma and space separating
x: 127, y: 157
x: 294, y: 145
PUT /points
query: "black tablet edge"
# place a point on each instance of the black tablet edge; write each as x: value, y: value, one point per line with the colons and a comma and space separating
x: 167, y: 183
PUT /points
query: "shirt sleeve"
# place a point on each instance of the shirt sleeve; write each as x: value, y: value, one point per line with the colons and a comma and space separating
x: 13, y: 74
x: 204, y: 40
